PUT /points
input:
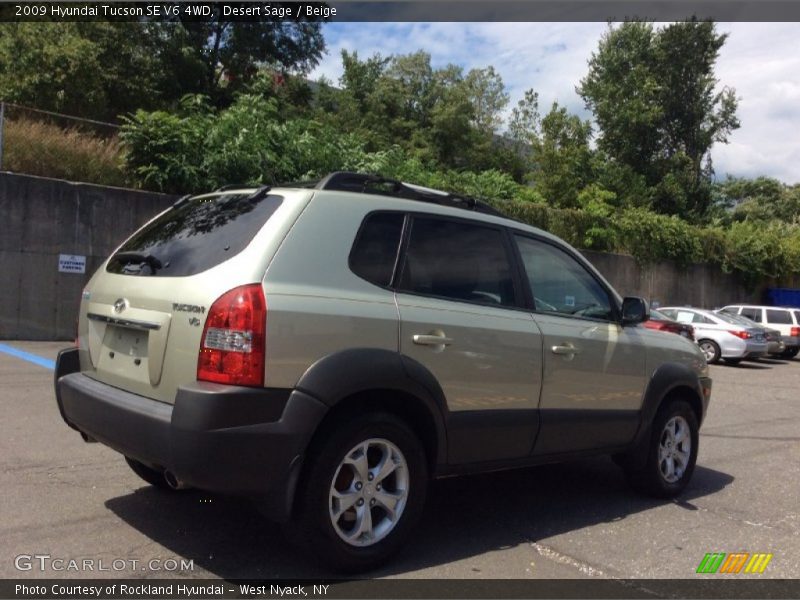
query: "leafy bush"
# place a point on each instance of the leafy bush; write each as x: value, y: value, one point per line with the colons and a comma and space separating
x: 248, y: 142
x: 652, y: 237
x: 44, y: 149
x: 200, y: 148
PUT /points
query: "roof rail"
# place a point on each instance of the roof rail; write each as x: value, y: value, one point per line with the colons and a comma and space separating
x: 236, y: 186
x: 375, y: 184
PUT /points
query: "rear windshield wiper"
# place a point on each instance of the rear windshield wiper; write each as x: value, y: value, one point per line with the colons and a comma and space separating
x: 136, y: 257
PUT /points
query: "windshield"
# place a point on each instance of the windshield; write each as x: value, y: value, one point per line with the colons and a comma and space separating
x: 195, y: 235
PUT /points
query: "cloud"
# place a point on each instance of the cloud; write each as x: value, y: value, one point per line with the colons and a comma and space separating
x: 759, y: 60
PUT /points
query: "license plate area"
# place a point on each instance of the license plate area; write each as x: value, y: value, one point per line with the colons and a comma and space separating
x: 125, y: 353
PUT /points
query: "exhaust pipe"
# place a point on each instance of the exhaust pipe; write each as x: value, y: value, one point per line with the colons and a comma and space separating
x: 173, y: 482
x: 88, y: 439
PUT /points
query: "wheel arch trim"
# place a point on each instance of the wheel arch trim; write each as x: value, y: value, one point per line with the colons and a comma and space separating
x: 341, y: 375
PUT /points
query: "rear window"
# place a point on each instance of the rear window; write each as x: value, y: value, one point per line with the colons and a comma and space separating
x: 780, y: 317
x: 194, y: 236
x: 375, y: 251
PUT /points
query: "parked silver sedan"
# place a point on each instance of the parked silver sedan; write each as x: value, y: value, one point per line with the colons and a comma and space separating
x: 775, y: 344
x: 720, y: 336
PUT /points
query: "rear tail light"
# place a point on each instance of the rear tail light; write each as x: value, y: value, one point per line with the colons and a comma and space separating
x: 745, y: 335
x: 794, y: 332
x: 233, y: 345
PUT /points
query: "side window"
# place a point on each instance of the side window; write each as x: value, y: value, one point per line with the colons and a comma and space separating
x: 560, y: 284
x: 460, y: 261
x: 375, y: 250
x: 754, y: 314
x: 779, y: 317
x: 729, y: 310
x: 796, y: 317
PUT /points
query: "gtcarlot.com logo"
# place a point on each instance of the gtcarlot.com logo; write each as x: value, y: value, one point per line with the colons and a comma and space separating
x: 46, y: 562
x: 737, y: 562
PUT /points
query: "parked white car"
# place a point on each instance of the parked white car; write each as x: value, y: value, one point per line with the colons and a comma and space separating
x: 719, y: 335
x: 785, y: 320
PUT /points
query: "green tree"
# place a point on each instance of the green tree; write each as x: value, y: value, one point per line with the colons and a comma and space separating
x: 86, y: 69
x: 557, y: 148
x: 654, y: 97
x: 488, y: 97
x: 100, y: 70
x: 218, y: 57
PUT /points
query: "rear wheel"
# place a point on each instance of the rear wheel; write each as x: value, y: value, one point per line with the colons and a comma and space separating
x: 671, y: 452
x: 790, y: 352
x: 364, y: 492
x: 151, y: 476
x: 710, y: 350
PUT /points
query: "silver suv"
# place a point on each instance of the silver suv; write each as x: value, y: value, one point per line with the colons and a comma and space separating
x: 327, y: 348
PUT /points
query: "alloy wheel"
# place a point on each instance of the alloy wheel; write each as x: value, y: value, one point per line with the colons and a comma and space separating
x: 674, y: 449
x: 369, y: 492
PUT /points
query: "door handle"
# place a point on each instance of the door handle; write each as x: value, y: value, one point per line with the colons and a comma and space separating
x: 431, y: 340
x: 566, y: 349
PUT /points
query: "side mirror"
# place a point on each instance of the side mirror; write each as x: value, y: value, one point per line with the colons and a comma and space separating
x: 635, y: 310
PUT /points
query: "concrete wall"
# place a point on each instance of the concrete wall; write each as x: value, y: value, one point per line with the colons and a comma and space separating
x: 702, y: 285
x: 42, y: 218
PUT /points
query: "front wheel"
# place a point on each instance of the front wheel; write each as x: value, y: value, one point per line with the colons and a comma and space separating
x: 672, y: 452
x: 364, y: 492
x: 710, y: 350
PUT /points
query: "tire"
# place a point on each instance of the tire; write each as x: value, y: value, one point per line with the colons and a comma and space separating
x: 151, y: 476
x: 656, y: 478
x: 732, y: 361
x: 711, y: 350
x: 338, y: 491
x: 790, y: 353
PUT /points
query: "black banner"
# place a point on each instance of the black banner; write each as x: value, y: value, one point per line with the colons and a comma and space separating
x: 210, y: 589
x: 407, y: 10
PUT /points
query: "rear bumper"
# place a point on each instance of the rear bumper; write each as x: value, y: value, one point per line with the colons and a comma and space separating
x: 215, y: 437
x: 733, y: 347
x: 791, y: 341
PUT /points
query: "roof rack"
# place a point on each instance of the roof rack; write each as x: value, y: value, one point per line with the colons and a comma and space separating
x: 236, y: 186
x: 374, y: 184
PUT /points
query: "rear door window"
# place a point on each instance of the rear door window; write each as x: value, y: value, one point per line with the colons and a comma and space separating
x: 458, y: 261
x: 754, y: 314
x: 195, y: 235
x: 779, y: 317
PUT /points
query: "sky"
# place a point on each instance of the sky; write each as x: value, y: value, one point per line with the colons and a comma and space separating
x: 759, y: 60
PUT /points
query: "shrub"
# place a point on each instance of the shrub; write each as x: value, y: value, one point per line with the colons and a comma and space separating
x: 47, y: 150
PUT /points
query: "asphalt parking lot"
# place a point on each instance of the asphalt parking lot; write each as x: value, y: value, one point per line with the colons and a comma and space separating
x: 64, y: 498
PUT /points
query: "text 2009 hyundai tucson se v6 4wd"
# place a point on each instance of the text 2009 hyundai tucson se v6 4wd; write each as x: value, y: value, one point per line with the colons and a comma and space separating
x: 328, y: 348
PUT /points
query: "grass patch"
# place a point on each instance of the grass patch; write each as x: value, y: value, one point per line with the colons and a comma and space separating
x: 44, y: 149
